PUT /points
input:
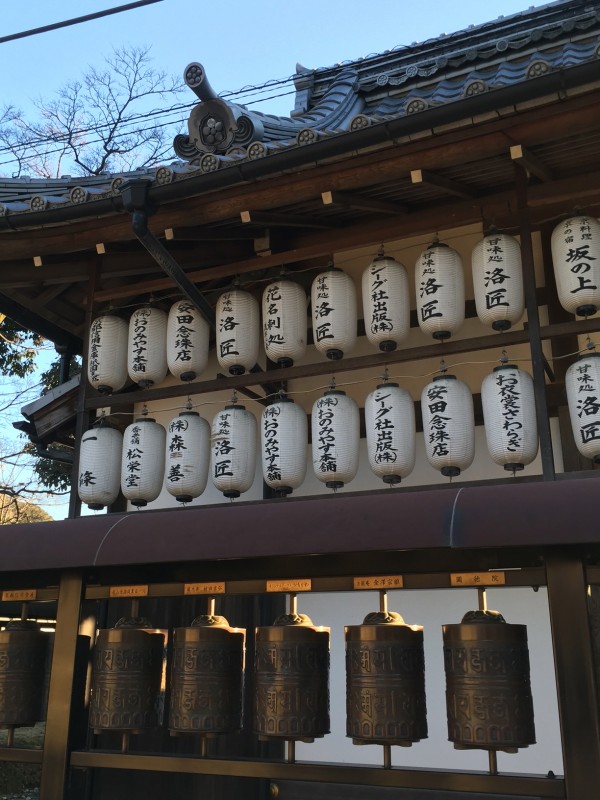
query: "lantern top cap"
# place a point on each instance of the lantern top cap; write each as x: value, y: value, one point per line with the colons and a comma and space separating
x: 334, y: 391
x: 188, y: 413
x: 144, y: 419
x: 445, y: 377
x: 588, y: 355
x: 234, y: 405
x: 505, y: 366
x: 387, y: 385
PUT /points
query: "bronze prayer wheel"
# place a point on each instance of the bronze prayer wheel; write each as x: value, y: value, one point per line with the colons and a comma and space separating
x: 488, y: 688
x: 385, y: 681
x: 292, y: 680
x: 207, y: 677
x: 23, y: 649
x: 126, y: 677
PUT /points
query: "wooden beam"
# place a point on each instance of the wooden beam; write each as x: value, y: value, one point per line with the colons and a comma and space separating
x: 350, y: 200
x: 273, y: 219
x: 532, y: 163
x: 440, y: 182
x: 188, y: 234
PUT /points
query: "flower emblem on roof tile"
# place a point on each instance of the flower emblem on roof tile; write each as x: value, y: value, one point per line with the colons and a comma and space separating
x: 164, y: 175
x: 38, y: 203
x: 209, y: 163
x: 78, y: 195
x: 256, y: 150
x: 537, y: 69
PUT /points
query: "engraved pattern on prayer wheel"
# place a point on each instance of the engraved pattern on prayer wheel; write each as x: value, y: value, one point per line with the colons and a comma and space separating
x: 292, y: 679
x: 207, y: 677
x: 126, y: 677
x: 23, y: 649
x: 385, y: 681
x: 488, y: 688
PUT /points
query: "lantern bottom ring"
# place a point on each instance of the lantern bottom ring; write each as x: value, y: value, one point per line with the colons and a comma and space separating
x: 284, y: 362
x: 187, y: 376
x: 139, y: 503
x: 231, y: 493
x: 334, y: 354
x: 388, y: 346
x: 514, y: 467
x: 145, y: 384
x: 441, y: 335
x: 283, y: 491
x: 450, y: 472
x: 237, y: 369
x: 391, y: 480
x: 334, y: 484
x: 95, y: 506
x: 501, y: 324
x: 586, y: 310
x: 184, y: 498
x: 104, y: 389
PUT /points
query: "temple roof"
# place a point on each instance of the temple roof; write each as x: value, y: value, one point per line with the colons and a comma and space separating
x: 480, y: 68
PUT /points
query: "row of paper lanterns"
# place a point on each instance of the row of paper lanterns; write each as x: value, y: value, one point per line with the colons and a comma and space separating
x: 135, y: 462
x: 154, y: 342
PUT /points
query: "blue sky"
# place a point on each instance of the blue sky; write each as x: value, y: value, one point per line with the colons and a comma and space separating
x: 239, y: 43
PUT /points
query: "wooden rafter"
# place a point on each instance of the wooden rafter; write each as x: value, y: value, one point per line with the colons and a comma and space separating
x: 535, y: 166
x: 440, y: 182
x: 361, y: 203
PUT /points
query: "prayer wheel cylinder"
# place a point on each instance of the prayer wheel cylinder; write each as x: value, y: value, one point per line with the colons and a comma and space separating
x: 488, y: 689
x: 385, y: 681
x: 292, y: 680
x: 126, y: 677
x: 23, y: 649
x: 207, y: 677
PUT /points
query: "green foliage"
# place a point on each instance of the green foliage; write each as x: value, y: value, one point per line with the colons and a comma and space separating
x: 17, y: 349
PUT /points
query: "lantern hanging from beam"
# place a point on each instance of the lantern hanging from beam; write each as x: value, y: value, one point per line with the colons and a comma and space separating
x: 334, y: 318
x: 207, y: 677
x: 143, y: 461
x: 284, y: 322
x: 575, y: 247
x: 187, y: 341
x: 390, y: 428
x: 510, y: 422
x: 498, y: 281
x: 487, y: 667
x: 238, y: 331
x: 582, y: 382
x: 187, y: 456
x: 107, y: 354
x: 292, y: 680
x: 448, y: 425
x: 233, y: 450
x: 386, y: 303
x: 335, y: 438
x: 100, y: 466
x: 440, y: 287
x: 284, y: 436
x: 385, y: 681
x: 147, y: 346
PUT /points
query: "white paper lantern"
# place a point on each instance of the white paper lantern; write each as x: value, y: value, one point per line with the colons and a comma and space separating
x: 390, y: 427
x: 583, y: 396
x: 386, y: 303
x: 575, y: 248
x: 238, y: 331
x: 498, y: 281
x: 187, y: 341
x: 334, y: 317
x: 284, y: 322
x: 448, y: 425
x: 508, y: 402
x: 335, y: 428
x: 147, y: 346
x: 143, y: 461
x: 99, y: 466
x: 440, y: 287
x: 233, y: 450
x: 187, y: 456
x: 284, y: 436
x: 107, y: 354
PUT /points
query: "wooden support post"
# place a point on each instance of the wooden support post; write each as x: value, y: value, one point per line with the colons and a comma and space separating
x: 533, y: 322
x: 55, y: 760
x: 573, y: 660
